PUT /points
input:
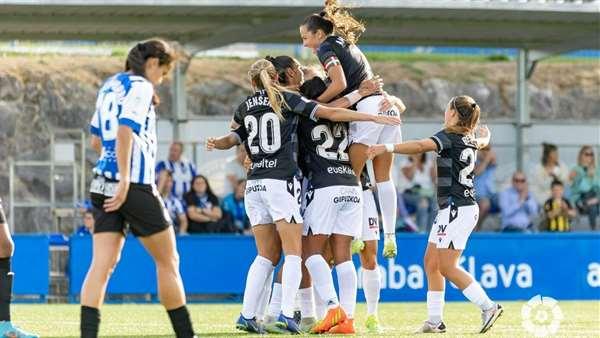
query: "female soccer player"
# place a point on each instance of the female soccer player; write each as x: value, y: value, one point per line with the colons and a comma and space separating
x: 290, y: 73
x: 267, y: 123
x: 7, y: 248
x: 123, y: 189
x: 333, y: 35
x: 456, y: 146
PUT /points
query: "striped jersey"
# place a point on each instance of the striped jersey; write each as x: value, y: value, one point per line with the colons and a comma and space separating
x: 174, y: 207
x: 183, y: 171
x: 126, y: 99
x: 455, y: 164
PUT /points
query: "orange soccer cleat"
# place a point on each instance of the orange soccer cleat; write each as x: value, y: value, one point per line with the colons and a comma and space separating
x: 332, y: 318
x: 345, y: 327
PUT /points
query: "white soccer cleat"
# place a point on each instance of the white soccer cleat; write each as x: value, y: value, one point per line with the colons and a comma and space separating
x: 489, y: 317
x: 429, y: 327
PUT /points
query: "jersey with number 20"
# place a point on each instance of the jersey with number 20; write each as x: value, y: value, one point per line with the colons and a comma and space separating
x: 271, y: 142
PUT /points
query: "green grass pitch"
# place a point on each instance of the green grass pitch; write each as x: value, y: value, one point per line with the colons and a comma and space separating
x: 581, y: 319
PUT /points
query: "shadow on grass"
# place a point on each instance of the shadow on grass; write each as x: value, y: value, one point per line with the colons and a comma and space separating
x: 212, y: 334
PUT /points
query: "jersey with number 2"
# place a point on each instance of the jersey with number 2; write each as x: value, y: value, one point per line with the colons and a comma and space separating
x: 271, y: 142
x: 455, y: 164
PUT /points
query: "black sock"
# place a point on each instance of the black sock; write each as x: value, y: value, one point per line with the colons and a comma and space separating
x: 182, y: 324
x: 6, y: 281
x: 90, y: 321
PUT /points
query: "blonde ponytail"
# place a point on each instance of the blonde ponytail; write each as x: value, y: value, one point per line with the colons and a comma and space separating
x: 262, y: 73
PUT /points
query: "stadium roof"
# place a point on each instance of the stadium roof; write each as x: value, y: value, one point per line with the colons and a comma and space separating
x: 546, y: 26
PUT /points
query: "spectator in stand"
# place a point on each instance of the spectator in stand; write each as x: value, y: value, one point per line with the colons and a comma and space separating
x: 585, y: 188
x: 419, y: 175
x: 173, y: 204
x: 183, y: 171
x: 557, y: 210
x: 235, y: 170
x: 549, y: 170
x: 203, y: 210
x: 484, y: 182
x: 518, y: 206
x: 233, y: 206
x: 87, y: 228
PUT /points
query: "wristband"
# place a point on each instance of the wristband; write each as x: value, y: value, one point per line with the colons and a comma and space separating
x: 389, y: 147
x: 353, y: 97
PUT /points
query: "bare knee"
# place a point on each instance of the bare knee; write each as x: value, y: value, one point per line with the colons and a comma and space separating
x: 169, y: 262
x: 105, y: 266
x: 368, y: 256
x: 431, y: 263
x: 446, y: 268
x: 368, y: 261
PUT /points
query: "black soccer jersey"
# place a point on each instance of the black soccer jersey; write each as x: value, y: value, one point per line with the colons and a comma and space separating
x: 324, y: 153
x: 455, y: 164
x: 335, y: 50
x: 271, y: 143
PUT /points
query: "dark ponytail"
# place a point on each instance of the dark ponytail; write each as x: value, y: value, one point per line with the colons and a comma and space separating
x: 282, y: 63
x: 335, y: 19
x: 138, y: 55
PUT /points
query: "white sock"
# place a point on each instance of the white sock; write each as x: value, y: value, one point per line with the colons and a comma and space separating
x: 435, y: 306
x: 388, y: 203
x: 275, y: 304
x: 322, y: 280
x: 264, y: 297
x: 307, y: 303
x: 290, y: 283
x: 255, y: 281
x: 371, y: 287
x: 474, y: 293
x: 320, y: 305
x: 348, y: 283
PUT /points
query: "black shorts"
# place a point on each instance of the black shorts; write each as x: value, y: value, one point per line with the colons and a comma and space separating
x: 143, y: 211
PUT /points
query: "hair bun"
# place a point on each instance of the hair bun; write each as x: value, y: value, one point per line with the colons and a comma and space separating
x: 473, y: 105
x: 269, y: 58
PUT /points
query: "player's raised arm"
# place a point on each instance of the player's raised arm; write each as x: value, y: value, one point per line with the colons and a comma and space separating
x: 346, y: 115
x: 410, y: 147
x: 224, y: 142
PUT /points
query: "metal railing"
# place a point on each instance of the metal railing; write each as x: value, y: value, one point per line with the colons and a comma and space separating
x: 71, y: 137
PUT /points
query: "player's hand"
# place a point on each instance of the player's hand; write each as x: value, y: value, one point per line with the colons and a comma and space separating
x: 115, y: 202
x: 357, y: 246
x: 375, y: 151
x: 483, y: 132
x: 210, y: 143
x: 247, y: 163
x: 372, y: 86
x: 385, y: 119
x: 390, y: 249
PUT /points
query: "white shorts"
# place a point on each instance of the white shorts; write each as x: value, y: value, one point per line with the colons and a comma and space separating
x: 453, y: 226
x: 268, y: 200
x: 333, y: 210
x: 370, y: 133
x: 370, y: 224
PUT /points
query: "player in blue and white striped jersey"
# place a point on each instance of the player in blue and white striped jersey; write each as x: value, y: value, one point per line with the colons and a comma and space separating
x: 183, y: 171
x: 126, y: 99
x: 123, y: 191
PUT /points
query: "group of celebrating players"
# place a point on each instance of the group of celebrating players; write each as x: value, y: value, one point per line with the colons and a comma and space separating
x: 308, y: 192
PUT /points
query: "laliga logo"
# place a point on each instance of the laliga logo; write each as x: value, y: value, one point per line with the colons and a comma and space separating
x: 541, y: 316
